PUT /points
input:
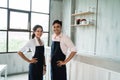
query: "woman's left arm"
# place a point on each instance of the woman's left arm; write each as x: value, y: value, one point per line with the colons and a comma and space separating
x: 71, y: 46
x: 69, y: 57
x: 60, y: 63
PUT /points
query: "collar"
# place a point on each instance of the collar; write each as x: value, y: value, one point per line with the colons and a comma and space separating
x: 59, y: 36
x: 36, y: 40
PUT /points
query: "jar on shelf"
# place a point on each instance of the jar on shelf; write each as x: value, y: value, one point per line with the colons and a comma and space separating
x: 83, y: 21
x: 78, y: 21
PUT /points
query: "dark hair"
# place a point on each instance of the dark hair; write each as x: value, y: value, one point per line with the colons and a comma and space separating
x: 58, y: 22
x: 35, y: 28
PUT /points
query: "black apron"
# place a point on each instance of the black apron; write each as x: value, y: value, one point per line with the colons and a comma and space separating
x: 57, y: 73
x: 36, y: 69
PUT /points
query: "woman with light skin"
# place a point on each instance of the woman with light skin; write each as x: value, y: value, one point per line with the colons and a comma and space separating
x: 60, y: 45
x: 37, y: 62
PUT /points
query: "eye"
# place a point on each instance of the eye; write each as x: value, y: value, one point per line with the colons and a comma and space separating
x: 58, y: 26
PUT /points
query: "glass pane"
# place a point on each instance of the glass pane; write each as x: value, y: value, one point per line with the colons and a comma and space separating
x: 44, y: 37
x: 19, y: 4
x: 3, y: 19
x: 17, y: 40
x: 40, y: 5
x: 40, y: 19
x: 3, y: 3
x: 18, y: 20
x: 2, y: 41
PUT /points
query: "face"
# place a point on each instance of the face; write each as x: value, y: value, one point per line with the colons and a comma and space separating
x: 57, y: 28
x: 38, y: 32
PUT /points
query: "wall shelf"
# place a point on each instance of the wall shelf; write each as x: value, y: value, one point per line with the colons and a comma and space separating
x: 82, y: 13
x: 81, y: 16
x: 83, y: 25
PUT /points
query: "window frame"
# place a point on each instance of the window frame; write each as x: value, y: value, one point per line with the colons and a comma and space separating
x: 20, y: 11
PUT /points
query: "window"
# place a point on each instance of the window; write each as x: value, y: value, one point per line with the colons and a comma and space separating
x: 3, y: 3
x: 15, y: 42
x: 3, y: 19
x: 41, y: 19
x: 20, y: 4
x: 3, y: 38
x: 17, y: 18
x: 40, y: 6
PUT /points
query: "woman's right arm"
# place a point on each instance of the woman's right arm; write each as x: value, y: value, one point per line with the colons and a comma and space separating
x: 33, y: 60
x: 23, y: 56
x: 24, y: 49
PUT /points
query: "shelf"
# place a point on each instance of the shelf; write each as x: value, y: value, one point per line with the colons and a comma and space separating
x: 84, y: 25
x: 82, y: 13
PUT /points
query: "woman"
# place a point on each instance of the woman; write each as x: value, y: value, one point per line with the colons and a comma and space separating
x: 60, y: 45
x: 38, y: 60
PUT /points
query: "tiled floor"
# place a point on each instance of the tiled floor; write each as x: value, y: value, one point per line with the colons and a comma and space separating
x: 18, y: 77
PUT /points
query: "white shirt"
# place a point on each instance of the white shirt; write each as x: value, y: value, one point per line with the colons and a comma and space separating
x: 65, y: 43
x: 31, y: 44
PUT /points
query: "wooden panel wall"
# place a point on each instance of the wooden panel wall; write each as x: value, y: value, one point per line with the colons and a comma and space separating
x: 108, y: 28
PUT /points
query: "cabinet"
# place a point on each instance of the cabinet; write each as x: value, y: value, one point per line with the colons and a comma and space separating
x: 83, y: 19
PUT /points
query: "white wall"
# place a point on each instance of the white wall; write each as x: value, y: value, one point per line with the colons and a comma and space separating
x: 104, y: 38
x: 85, y: 35
x: 55, y: 10
x: 108, y: 34
x: 66, y: 16
x: 101, y: 42
x: 15, y: 64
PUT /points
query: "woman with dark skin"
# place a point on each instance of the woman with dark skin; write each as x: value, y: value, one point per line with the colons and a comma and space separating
x: 60, y: 45
x: 38, y: 60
